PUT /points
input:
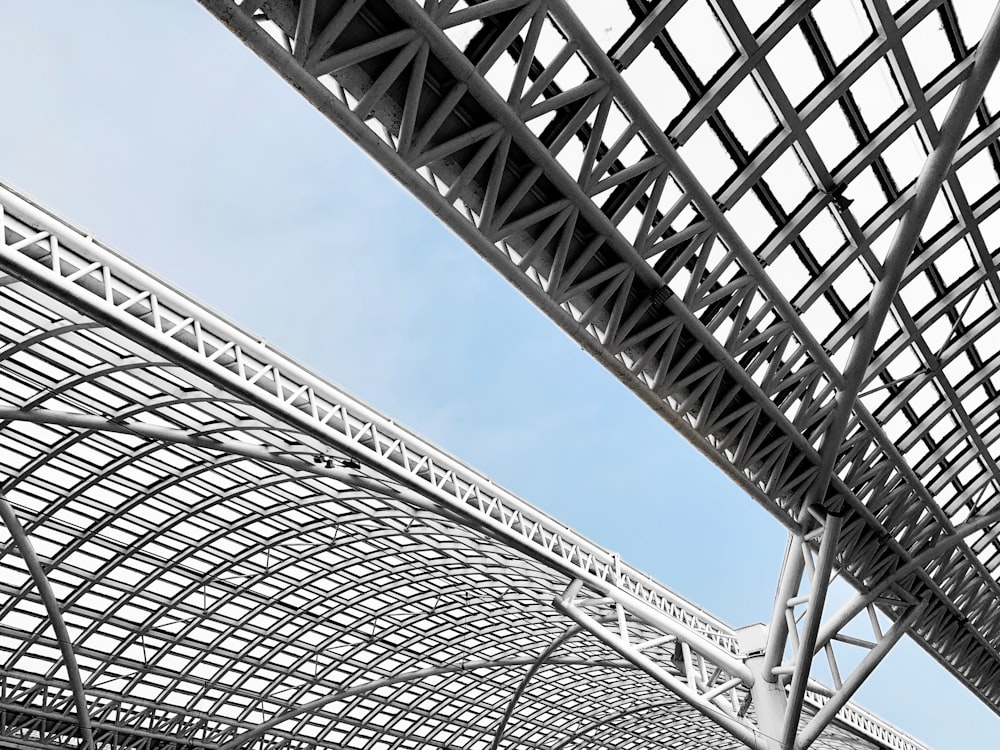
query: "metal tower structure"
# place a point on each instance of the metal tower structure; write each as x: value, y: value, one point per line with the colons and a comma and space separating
x: 775, y: 231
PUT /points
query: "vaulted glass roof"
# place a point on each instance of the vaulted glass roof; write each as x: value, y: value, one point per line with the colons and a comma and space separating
x: 230, y: 577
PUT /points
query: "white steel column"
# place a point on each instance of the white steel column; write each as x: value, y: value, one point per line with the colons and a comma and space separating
x: 816, y: 602
x: 768, y: 695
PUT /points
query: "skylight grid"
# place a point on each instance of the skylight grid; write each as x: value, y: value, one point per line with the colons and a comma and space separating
x: 181, y: 569
x: 939, y: 283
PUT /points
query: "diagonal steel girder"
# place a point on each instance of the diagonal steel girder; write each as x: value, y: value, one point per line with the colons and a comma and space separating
x: 932, y: 176
x: 717, y: 701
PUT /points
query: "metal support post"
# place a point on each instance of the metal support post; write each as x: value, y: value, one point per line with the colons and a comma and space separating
x: 807, y: 641
x: 788, y: 586
x: 766, y: 693
x: 778, y: 714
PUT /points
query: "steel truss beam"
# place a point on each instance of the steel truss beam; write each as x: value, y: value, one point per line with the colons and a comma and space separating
x: 724, y: 691
x: 683, y: 312
x: 706, y: 679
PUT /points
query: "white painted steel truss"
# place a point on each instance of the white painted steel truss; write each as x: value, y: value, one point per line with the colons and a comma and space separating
x: 211, y: 547
x: 809, y: 307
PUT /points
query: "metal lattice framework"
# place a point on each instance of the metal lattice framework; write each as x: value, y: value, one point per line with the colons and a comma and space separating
x: 774, y: 225
x: 211, y: 547
x: 776, y: 229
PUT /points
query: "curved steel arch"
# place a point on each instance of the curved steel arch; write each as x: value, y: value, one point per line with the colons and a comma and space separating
x: 48, y: 597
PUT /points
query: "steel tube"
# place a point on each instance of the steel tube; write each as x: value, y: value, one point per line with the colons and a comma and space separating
x: 788, y: 583
x: 34, y: 565
x: 810, y: 629
x: 867, y: 665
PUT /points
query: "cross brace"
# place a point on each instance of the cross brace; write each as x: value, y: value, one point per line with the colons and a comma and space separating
x: 797, y: 628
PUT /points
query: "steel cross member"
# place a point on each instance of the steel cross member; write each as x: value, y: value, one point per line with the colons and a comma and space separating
x: 704, y: 676
x: 779, y: 712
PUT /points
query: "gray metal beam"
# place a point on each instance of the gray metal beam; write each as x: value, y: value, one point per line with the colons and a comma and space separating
x: 699, y: 696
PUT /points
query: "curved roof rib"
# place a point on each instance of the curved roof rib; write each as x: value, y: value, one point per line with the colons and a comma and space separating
x: 702, y: 194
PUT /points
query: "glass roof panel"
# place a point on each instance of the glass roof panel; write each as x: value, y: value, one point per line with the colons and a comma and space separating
x: 927, y: 49
x: 904, y: 157
x: 700, y: 38
x: 705, y: 152
x: 795, y: 66
x: 972, y: 18
x: 844, y: 25
x: 876, y: 95
x: 832, y: 135
x: 978, y: 176
x: 866, y: 195
x: 788, y: 180
x: 662, y: 92
x: 748, y: 113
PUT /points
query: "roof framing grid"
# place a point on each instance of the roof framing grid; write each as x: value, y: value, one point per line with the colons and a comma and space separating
x: 720, y: 266
x: 243, y: 555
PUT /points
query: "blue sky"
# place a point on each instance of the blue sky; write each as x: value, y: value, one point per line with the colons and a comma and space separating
x: 153, y: 127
